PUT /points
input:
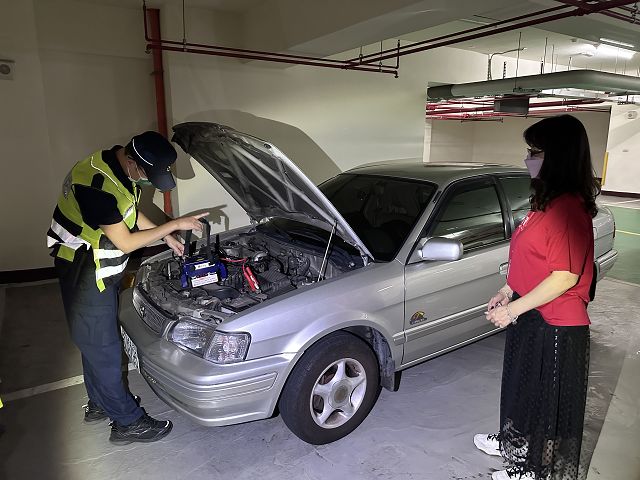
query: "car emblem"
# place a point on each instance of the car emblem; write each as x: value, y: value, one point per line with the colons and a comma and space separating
x: 417, y: 318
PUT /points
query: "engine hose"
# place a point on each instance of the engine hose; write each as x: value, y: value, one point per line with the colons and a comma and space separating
x: 250, y: 278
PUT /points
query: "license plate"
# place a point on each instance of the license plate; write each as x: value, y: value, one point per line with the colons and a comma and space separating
x: 130, y: 349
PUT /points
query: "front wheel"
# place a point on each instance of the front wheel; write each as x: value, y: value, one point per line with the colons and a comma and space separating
x: 331, y: 390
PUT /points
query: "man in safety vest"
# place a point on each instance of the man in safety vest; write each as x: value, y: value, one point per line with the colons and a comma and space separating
x: 96, y: 225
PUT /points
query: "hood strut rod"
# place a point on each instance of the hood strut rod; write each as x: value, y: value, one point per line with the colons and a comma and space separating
x: 326, y: 252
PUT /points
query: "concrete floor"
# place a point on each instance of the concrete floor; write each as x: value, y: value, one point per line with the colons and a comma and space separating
x: 423, y: 431
x: 627, y: 214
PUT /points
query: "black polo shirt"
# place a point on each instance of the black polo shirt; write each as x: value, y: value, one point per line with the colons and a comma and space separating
x: 96, y: 206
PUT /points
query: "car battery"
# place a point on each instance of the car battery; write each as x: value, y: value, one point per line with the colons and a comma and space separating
x: 201, y: 268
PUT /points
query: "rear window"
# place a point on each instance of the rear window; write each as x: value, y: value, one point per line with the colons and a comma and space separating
x: 381, y: 210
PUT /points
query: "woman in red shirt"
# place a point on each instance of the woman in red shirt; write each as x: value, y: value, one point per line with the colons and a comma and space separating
x: 544, y: 307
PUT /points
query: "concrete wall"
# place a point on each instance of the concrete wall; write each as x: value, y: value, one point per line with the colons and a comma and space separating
x: 623, y: 144
x: 325, y: 120
x: 82, y: 83
x: 26, y: 192
x: 501, y: 141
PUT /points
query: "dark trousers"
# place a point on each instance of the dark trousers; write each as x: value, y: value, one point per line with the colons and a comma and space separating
x: 93, y: 323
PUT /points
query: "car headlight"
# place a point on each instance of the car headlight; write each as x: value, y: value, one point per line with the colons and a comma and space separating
x: 143, y: 275
x: 192, y: 336
x: 228, y: 347
x: 214, y: 346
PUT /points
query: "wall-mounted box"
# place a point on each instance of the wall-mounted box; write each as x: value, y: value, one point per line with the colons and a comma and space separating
x: 6, y: 69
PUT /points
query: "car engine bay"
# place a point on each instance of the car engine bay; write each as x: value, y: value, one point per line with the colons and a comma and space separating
x: 258, y: 267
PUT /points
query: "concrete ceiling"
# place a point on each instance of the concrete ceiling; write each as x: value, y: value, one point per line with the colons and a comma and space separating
x: 334, y: 26
x: 575, y: 50
x: 234, y: 6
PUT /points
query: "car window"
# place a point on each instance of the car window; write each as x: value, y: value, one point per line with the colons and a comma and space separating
x: 471, y: 215
x: 517, y: 190
x: 381, y: 210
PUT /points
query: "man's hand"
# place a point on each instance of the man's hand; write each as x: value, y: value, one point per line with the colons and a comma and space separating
x: 174, y: 244
x: 127, y: 241
x: 189, y: 222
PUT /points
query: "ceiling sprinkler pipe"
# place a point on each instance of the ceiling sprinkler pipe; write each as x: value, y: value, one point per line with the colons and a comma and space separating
x: 157, y: 43
x: 608, y: 13
x: 316, y: 63
x: 532, y: 106
x: 622, y: 17
x: 531, y: 112
x: 432, y: 43
x: 519, y: 49
x: 463, y: 32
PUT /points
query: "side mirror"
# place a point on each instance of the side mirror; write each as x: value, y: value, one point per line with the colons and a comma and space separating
x: 440, y: 248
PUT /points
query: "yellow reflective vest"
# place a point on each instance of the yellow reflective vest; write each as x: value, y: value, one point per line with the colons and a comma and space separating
x: 69, y: 232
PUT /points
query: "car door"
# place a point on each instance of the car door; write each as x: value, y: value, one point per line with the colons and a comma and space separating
x: 445, y: 301
x: 517, y: 190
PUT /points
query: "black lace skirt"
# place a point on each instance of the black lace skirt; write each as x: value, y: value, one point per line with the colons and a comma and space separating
x: 544, y: 390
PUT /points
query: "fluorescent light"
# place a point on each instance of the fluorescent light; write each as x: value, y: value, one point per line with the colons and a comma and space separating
x: 616, y: 42
x: 610, y: 51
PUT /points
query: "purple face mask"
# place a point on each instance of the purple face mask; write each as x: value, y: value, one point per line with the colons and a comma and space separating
x: 534, y: 163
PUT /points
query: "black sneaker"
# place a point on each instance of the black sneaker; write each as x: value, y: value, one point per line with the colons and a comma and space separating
x: 145, y: 429
x: 95, y: 413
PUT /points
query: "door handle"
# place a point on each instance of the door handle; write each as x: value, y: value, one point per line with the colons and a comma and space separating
x: 504, y: 268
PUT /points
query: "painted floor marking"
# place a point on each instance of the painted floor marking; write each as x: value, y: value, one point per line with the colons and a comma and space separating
x: 619, y: 206
x: 47, y: 387
x: 623, y: 201
x: 628, y: 233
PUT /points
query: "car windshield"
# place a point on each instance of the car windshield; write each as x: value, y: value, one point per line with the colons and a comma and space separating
x: 310, y: 237
x: 381, y: 210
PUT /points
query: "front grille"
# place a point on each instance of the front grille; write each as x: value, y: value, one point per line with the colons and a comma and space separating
x: 150, y: 315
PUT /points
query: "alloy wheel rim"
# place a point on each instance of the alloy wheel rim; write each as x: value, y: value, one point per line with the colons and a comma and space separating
x: 338, y: 393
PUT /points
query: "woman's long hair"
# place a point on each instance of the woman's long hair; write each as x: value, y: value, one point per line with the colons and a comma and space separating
x: 567, y: 164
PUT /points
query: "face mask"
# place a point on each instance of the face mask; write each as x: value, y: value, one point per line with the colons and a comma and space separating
x: 144, y: 182
x: 141, y: 182
x: 534, y: 163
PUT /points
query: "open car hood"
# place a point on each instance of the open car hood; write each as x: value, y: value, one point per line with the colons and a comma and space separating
x: 261, y: 178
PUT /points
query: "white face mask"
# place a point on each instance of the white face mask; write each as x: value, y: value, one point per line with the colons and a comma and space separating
x: 141, y: 180
x: 534, y: 163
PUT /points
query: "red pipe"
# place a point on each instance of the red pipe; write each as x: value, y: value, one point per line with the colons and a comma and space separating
x: 470, y: 30
x: 317, y: 63
x: 628, y: 9
x: 560, y: 103
x: 590, y: 8
x: 488, y: 114
x: 578, y: 3
x: 161, y: 103
x: 535, y: 114
x: 157, y: 43
x: 583, y: 8
x: 622, y: 17
x: 558, y: 16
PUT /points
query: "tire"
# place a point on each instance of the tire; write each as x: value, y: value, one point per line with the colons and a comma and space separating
x: 331, y: 390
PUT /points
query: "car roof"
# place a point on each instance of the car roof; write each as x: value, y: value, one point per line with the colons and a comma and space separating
x: 439, y: 173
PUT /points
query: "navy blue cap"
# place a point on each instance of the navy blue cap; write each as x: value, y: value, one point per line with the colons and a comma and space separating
x: 155, y: 155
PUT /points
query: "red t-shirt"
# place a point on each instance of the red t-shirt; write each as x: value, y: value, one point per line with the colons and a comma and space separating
x: 558, y: 239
